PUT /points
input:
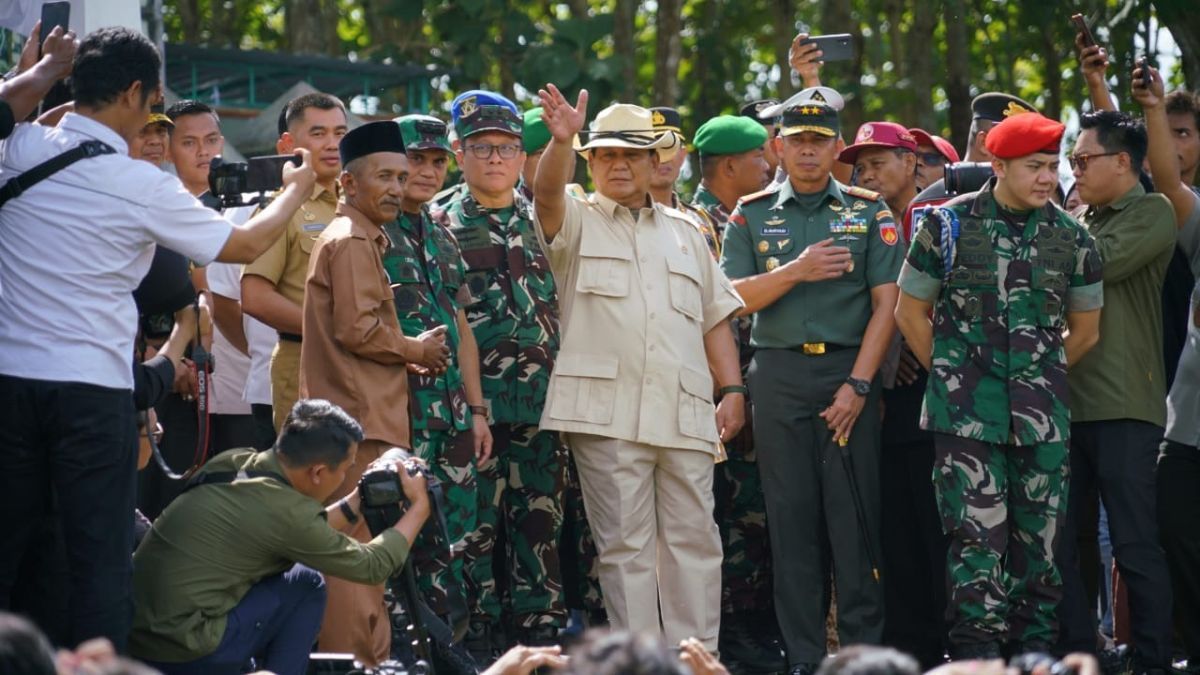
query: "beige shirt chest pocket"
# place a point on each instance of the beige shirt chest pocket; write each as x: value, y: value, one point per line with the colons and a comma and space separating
x: 696, y: 412
x: 683, y: 278
x: 583, y: 388
x: 605, y: 267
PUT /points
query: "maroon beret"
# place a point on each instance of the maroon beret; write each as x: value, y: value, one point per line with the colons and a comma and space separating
x: 1024, y: 134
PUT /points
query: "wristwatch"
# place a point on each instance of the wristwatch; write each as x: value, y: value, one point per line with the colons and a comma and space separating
x: 861, y: 387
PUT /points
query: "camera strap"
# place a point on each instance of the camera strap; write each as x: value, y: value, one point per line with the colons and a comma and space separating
x: 221, y: 477
x: 19, y: 185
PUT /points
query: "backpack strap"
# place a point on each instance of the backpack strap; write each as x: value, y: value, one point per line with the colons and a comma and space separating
x: 17, y: 186
x: 221, y: 477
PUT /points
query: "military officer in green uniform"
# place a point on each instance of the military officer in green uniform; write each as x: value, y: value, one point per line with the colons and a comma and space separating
x: 514, y: 316
x: 732, y: 165
x: 449, y: 423
x: 1014, y: 287
x: 816, y: 263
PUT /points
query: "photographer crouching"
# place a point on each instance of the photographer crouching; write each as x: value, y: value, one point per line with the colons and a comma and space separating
x: 229, y: 572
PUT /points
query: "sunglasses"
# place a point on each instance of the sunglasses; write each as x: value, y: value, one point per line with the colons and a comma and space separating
x: 1081, y: 160
x: 484, y: 150
x: 931, y: 158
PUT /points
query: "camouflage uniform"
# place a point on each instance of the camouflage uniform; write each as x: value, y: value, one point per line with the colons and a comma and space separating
x: 741, y: 513
x: 514, y: 317
x: 427, y: 274
x: 997, y: 401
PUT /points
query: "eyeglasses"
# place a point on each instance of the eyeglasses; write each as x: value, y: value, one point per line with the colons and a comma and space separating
x: 484, y: 151
x: 931, y: 158
x: 1081, y: 160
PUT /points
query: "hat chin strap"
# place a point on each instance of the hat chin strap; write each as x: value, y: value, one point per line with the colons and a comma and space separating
x: 646, y: 139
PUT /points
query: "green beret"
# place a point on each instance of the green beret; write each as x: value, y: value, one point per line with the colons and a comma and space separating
x: 535, y: 136
x: 729, y: 135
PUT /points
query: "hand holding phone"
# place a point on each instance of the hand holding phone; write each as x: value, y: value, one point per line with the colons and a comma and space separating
x: 54, y: 15
x: 1085, y: 37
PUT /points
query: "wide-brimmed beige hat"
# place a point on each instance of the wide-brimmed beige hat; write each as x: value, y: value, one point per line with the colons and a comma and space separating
x: 622, y: 125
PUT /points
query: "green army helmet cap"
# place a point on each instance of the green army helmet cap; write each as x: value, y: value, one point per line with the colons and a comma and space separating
x: 729, y: 135
x: 535, y: 135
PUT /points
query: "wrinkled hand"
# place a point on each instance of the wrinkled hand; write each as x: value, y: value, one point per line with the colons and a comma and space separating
x: 435, y: 354
x: 522, y: 660
x: 1093, y: 61
x: 805, y: 59
x: 301, y: 176
x: 483, y: 438
x: 58, y: 52
x: 731, y: 415
x: 562, y: 119
x: 818, y: 262
x: 1152, y: 96
x: 695, y: 656
x: 910, y: 368
x: 93, y: 656
x: 843, y: 413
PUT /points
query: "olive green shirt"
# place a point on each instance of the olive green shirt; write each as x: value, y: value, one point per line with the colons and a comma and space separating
x: 215, y: 541
x: 769, y: 228
x: 1122, y: 377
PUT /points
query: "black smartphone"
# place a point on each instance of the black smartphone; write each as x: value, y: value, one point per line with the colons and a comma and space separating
x: 1147, y: 78
x: 53, y: 14
x: 837, y: 47
x: 1081, y: 26
x: 264, y: 174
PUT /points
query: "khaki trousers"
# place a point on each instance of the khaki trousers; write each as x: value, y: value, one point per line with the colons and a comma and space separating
x: 650, y: 510
x: 285, y: 381
x: 356, y: 620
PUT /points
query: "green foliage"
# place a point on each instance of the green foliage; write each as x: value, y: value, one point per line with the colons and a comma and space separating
x: 728, y: 47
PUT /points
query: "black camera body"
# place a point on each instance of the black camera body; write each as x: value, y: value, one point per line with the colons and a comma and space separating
x: 964, y: 177
x: 380, y: 488
x: 230, y: 182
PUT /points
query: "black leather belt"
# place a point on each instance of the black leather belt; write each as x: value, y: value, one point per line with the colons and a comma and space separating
x: 290, y: 337
x: 819, y: 348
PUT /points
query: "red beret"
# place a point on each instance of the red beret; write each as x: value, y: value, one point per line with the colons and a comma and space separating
x: 1024, y: 134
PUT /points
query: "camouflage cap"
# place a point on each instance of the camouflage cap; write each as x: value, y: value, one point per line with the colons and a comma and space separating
x: 423, y: 132
x: 488, y: 118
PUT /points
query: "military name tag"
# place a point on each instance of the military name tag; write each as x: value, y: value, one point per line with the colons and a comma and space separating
x: 776, y: 231
x: 314, y: 227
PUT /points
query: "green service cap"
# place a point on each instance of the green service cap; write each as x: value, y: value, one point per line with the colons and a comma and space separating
x: 423, y: 132
x: 535, y: 136
x: 729, y: 135
x: 819, y: 118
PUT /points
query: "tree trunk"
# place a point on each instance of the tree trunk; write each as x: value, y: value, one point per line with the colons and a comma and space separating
x: 308, y: 28
x: 958, y: 76
x: 707, y: 34
x: 1181, y: 18
x: 1052, y: 71
x: 623, y: 26
x: 836, y: 18
x: 189, y: 17
x: 667, y: 51
x: 920, y: 61
x: 785, y: 21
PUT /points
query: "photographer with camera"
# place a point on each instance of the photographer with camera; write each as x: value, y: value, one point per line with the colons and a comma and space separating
x: 80, y: 229
x: 231, y: 570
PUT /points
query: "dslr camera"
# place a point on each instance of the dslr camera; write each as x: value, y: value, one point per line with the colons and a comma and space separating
x: 380, y: 488
x: 247, y: 183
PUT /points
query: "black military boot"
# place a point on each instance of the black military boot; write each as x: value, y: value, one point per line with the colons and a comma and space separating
x: 750, y: 644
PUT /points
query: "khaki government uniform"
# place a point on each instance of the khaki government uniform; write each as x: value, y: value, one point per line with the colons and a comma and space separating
x: 285, y: 264
x: 631, y: 388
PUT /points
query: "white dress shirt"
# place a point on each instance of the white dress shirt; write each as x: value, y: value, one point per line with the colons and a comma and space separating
x: 75, y: 246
